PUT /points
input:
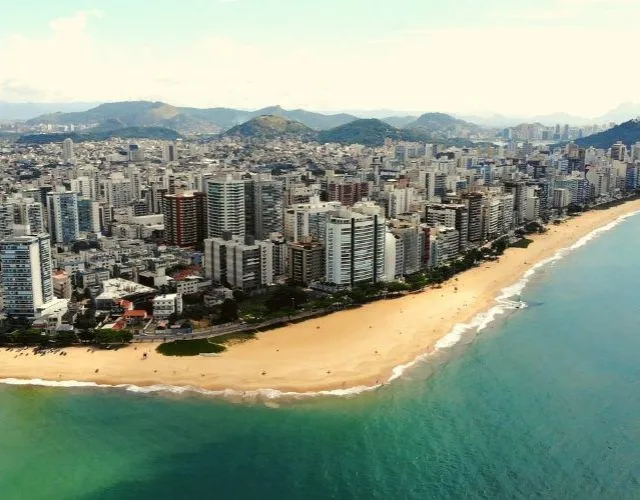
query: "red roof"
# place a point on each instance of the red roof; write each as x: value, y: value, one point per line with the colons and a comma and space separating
x: 136, y: 313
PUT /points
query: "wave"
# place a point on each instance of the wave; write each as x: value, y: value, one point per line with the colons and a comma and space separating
x: 478, y: 323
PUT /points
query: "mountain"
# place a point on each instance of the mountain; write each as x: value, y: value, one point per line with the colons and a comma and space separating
x: 562, y: 118
x: 624, y: 112
x: 271, y: 127
x: 312, y: 120
x: 366, y: 131
x: 133, y: 114
x: 186, y: 120
x: 100, y: 134
x: 11, y: 111
x: 443, y: 125
x: 627, y: 132
x: 399, y: 121
x: 371, y: 132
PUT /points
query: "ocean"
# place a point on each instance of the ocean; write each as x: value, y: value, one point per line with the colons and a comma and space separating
x: 543, y: 402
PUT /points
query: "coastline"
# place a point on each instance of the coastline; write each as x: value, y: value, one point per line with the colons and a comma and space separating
x: 343, y: 353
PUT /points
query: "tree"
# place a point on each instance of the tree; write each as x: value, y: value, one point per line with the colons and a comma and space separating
x: 108, y: 336
x: 229, y: 311
x: 285, y: 297
x: 499, y: 246
x: 240, y: 296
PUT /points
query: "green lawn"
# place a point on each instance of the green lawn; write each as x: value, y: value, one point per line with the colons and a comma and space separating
x: 189, y: 348
x: 203, y: 346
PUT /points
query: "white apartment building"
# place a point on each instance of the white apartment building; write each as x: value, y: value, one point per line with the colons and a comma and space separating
x: 166, y: 305
x: 225, y: 207
x: 308, y: 219
x: 355, y: 248
x: 241, y: 263
x: 26, y: 274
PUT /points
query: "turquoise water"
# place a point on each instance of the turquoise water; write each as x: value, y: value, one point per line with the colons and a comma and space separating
x: 544, y: 403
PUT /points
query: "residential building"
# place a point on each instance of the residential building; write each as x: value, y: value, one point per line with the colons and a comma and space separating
x: 88, y: 216
x: 184, y: 218
x: 225, y: 207
x: 62, y: 208
x: 355, y: 246
x: 166, y: 305
x: 263, y: 206
x: 306, y: 261
x: 26, y: 273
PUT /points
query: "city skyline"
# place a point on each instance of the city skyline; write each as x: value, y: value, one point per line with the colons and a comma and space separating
x: 407, y: 55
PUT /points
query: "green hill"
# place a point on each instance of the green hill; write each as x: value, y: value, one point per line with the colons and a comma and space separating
x: 271, y: 127
x: 368, y: 132
x: 627, y: 132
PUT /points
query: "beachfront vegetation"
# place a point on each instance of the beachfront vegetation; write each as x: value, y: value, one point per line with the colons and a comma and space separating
x: 195, y: 347
x: 189, y: 348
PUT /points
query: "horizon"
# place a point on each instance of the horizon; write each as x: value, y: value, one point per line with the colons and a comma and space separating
x: 227, y: 54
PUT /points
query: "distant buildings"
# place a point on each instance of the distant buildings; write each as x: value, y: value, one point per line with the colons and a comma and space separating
x: 62, y: 207
x: 169, y: 152
x: 67, y: 151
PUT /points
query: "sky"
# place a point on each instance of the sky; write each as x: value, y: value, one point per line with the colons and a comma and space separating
x: 462, y: 56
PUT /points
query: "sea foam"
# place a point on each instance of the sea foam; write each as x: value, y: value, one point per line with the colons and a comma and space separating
x: 478, y: 323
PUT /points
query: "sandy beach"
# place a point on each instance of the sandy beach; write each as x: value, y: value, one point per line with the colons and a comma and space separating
x: 358, y: 347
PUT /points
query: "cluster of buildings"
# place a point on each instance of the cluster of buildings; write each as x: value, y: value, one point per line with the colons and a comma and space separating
x: 557, y: 133
x: 238, y: 215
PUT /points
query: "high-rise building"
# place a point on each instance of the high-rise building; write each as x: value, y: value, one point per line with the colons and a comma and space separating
x: 118, y: 192
x: 62, y: 208
x: 306, y: 261
x: 6, y: 219
x: 169, y: 152
x: 26, y: 274
x: 355, y: 246
x: 347, y: 192
x: 225, y: 207
x: 136, y: 153
x: 67, y: 150
x: 83, y: 185
x: 239, y: 262
x: 88, y: 215
x: 519, y: 191
x: 619, y: 151
x: 184, y: 218
x: 308, y: 219
x: 450, y: 215
x: 263, y: 206
x: 474, y: 202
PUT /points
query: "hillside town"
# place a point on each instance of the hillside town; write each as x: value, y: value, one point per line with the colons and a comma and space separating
x: 110, y: 240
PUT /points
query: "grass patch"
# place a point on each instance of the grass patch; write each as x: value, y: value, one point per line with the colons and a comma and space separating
x: 233, y: 338
x: 211, y: 345
x: 189, y: 348
x: 523, y: 243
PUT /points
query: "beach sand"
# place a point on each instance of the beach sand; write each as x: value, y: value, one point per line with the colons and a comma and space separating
x: 358, y: 347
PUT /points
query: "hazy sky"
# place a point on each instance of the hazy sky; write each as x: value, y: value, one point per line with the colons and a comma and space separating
x: 467, y: 56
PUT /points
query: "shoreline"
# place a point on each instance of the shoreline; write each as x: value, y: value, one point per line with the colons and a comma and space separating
x: 347, y: 352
